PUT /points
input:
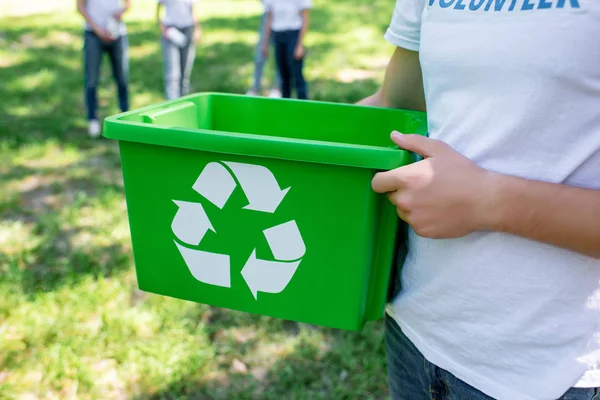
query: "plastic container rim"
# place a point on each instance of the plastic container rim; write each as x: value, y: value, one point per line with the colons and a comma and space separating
x: 279, y: 147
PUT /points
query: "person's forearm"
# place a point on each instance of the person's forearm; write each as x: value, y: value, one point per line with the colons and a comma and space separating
x: 304, y: 29
x: 555, y: 214
x: 402, y: 84
x: 373, y: 100
x: 196, y: 19
x: 82, y: 10
x: 123, y: 10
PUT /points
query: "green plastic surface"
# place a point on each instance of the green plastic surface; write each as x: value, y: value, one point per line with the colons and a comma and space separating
x: 331, y: 231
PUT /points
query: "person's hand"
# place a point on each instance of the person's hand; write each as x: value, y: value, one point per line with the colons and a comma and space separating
x: 265, y: 49
x: 104, y: 35
x: 119, y: 15
x: 299, y: 52
x: 197, y: 35
x: 163, y: 29
x: 443, y: 196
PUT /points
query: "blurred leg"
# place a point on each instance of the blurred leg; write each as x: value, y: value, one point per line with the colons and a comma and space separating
x: 277, y: 84
x: 187, y: 58
x: 259, y: 59
x: 290, y: 45
x: 297, y: 67
x: 119, y: 57
x: 283, y: 63
x: 92, y: 55
x: 172, y: 69
x: 276, y: 89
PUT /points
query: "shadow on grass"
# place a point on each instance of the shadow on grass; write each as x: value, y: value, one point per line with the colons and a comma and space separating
x: 72, y: 209
x: 66, y: 252
x: 322, y: 364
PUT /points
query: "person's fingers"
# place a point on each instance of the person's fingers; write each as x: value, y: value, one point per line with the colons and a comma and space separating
x: 385, y: 182
x: 394, y: 198
x: 421, y: 145
x: 401, y: 215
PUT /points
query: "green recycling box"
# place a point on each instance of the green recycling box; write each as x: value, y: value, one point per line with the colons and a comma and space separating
x: 263, y: 205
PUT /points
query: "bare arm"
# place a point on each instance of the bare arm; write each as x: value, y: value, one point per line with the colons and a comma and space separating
x: 563, y: 216
x: 88, y: 19
x: 299, y: 50
x: 198, y: 26
x: 126, y: 6
x: 446, y: 195
x: 100, y: 32
x: 402, y: 85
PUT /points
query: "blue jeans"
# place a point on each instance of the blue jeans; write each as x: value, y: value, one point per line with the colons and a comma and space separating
x: 412, y: 377
x: 93, y: 49
x: 289, y: 68
x: 178, y: 64
x: 260, y: 60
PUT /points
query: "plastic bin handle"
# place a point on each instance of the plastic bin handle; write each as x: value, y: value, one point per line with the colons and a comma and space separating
x: 151, y: 116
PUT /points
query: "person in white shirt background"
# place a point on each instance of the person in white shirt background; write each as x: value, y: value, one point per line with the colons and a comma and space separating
x: 180, y: 32
x: 499, y: 294
x: 105, y: 32
x: 287, y: 21
x: 259, y: 64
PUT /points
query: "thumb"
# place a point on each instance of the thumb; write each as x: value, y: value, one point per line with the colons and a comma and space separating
x: 419, y: 144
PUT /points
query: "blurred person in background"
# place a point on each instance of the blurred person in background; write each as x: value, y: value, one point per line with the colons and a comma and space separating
x: 259, y: 63
x: 287, y: 21
x: 180, y: 31
x: 105, y: 32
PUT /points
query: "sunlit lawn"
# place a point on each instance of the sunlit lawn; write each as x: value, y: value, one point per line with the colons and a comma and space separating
x: 72, y: 323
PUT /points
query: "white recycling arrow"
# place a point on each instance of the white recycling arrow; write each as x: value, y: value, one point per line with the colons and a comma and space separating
x: 209, y: 268
x: 285, y: 241
x: 268, y: 276
x: 190, y: 223
x: 288, y: 247
x: 259, y: 186
x: 215, y: 183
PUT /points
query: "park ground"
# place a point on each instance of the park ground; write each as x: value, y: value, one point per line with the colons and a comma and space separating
x: 72, y: 323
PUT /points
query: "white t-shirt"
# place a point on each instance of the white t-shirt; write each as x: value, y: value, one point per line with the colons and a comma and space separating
x: 178, y: 13
x: 101, y: 11
x: 515, y: 86
x: 286, y: 13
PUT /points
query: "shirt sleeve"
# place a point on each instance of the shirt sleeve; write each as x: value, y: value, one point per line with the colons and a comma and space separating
x: 405, y: 27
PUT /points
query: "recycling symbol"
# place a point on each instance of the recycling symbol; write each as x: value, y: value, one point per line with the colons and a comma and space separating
x: 216, y: 183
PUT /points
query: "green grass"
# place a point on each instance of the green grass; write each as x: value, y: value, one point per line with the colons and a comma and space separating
x: 72, y: 323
